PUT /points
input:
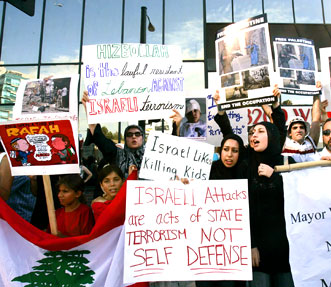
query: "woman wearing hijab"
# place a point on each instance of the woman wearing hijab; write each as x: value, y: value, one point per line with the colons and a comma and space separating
x: 127, y: 158
x: 270, y: 249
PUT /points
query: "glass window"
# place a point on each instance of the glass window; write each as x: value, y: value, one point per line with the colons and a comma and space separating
x: 327, y: 11
x: 58, y: 70
x: 103, y: 22
x: 219, y: 11
x: 62, y: 31
x: 249, y: 9
x: 311, y: 15
x: 21, y: 35
x: 279, y: 11
x: 184, y: 27
x: 133, y: 19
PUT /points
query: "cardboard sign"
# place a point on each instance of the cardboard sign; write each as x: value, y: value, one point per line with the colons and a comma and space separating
x: 40, y: 148
x: 168, y: 156
x: 177, y: 232
x: 136, y: 81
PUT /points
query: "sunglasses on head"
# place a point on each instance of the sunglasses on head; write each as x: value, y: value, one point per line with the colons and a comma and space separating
x: 327, y: 132
x: 136, y: 134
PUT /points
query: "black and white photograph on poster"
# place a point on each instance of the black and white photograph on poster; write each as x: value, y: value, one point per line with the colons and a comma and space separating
x: 325, y: 57
x: 296, y: 67
x: 194, y: 123
x: 230, y: 80
x: 244, y: 48
x: 49, y: 96
x: 287, y: 73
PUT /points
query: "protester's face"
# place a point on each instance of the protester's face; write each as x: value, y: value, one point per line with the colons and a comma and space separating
x: 22, y: 145
x: 193, y: 116
x: 58, y: 143
x: 327, y: 138
x: 134, y: 138
x: 250, y: 138
x: 67, y: 196
x: 260, y: 138
x: 298, y: 132
x: 111, y: 184
x: 230, y: 153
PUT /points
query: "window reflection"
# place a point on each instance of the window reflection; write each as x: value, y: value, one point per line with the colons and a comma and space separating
x: 184, y: 27
x: 250, y: 9
x: 21, y: 35
x: 133, y: 19
x: 327, y: 11
x: 279, y: 11
x: 103, y: 22
x: 219, y: 11
x: 46, y: 71
x: 311, y: 15
x: 62, y: 31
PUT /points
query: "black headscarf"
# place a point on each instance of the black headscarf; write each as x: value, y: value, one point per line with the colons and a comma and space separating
x: 127, y: 156
x: 219, y: 170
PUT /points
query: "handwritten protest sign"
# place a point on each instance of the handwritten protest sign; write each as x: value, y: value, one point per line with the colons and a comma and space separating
x: 167, y: 156
x: 176, y: 232
x: 140, y: 81
x: 308, y: 219
x: 296, y: 66
x: 40, y: 147
x: 244, y: 63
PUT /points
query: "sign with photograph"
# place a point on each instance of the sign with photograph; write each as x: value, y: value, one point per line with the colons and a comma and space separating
x: 40, y: 147
x: 136, y: 81
x: 168, y: 156
x: 244, y: 63
x: 296, y: 66
x: 177, y: 232
x: 325, y: 55
x: 50, y: 98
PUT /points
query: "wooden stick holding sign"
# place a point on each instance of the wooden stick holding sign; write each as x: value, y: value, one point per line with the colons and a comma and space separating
x: 301, y: 165
x: 50, y: 204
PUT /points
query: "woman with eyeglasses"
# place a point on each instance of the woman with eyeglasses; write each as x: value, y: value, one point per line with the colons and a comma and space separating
x: 128, y: 158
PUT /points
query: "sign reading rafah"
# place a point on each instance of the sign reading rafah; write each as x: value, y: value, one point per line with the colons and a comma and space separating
x: 308, y: 220
x: 177, y: 232
x: 140, y: 81
x: 169, y: 156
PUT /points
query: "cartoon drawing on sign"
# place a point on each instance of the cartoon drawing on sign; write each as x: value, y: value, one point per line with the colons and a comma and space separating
x: 62, y: 147
x: 20, y: 150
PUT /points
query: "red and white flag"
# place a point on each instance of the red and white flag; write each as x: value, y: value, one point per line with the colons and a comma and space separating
x: 31, y: 257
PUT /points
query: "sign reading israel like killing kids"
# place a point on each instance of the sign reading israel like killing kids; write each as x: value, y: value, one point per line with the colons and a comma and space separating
x: 177, y: 232
x: 44, y: 147
x: 140, y: 81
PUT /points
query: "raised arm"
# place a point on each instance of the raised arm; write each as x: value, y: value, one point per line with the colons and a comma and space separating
x: 221, y: 118
x: 85, y: 100
x: 6, y: 178
x: 316, y: 117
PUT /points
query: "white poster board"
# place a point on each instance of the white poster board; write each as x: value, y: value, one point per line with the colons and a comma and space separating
x: 308, y: 220
x: 168, y: 156
x: 132, y: 81
x: 296, y: 66
x: 177, y: 232
x: 325, y: 55
x: 244, y: 63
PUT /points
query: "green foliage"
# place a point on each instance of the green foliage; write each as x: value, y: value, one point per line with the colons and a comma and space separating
x: 60, y: 269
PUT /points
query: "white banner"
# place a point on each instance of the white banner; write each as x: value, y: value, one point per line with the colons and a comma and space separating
x: 136, y: 81
x: 177, y: 232
x: 308, y: 221
x: 167, y: 156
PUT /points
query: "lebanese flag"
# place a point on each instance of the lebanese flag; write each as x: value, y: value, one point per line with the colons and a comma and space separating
x: 31, y: 256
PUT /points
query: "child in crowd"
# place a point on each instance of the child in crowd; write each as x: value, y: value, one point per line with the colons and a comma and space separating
x: 110, y: 179
x: 74, y: 218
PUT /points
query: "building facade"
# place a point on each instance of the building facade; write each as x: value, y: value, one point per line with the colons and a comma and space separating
x: 50, y: 42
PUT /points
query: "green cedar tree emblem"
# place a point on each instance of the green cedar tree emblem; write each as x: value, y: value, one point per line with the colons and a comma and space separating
x: 60, y: 269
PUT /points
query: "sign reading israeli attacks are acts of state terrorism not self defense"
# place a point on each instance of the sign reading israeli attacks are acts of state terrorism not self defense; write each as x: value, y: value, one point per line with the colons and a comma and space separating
x: 136, y: 81
x: 177, y: 232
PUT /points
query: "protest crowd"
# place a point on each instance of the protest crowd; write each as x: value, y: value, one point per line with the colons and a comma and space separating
x: 271, y: 143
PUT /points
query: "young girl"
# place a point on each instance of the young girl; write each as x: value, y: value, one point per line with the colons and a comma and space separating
x: 74, y: 218
x: 110, y: 179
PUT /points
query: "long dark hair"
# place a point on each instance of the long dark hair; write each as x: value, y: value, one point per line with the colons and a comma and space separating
x: 74, y: 182
x: 107, y: 169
